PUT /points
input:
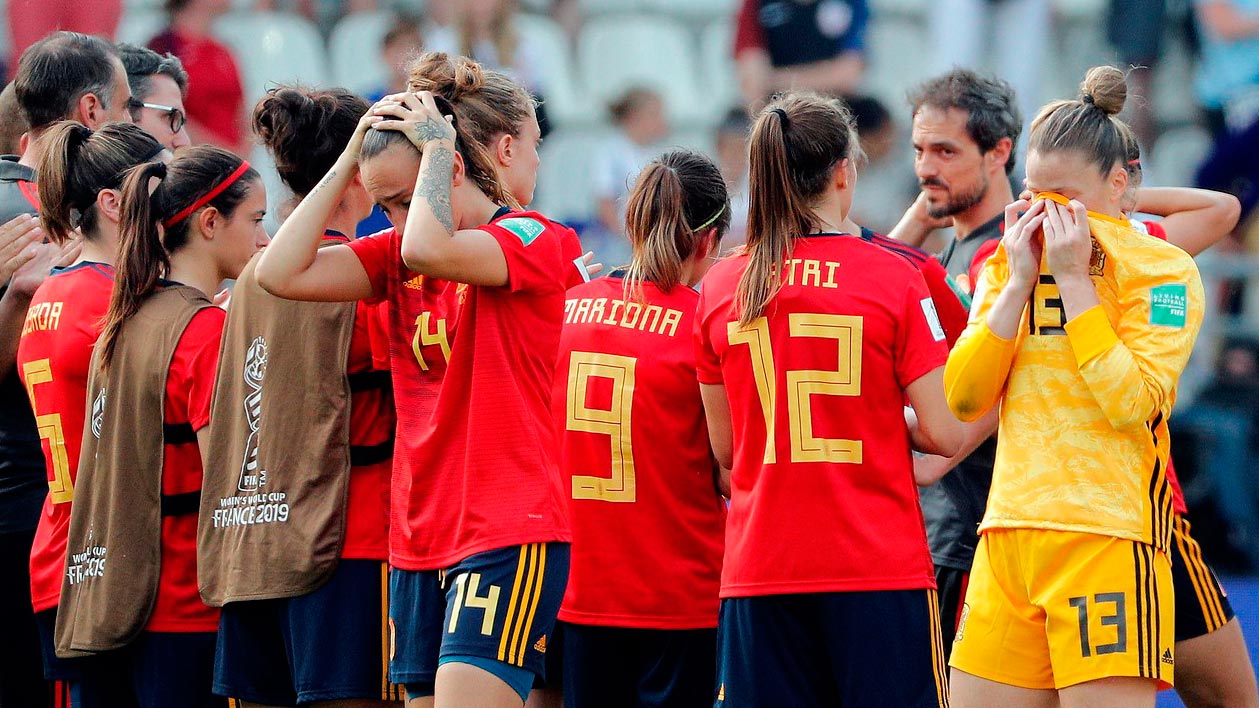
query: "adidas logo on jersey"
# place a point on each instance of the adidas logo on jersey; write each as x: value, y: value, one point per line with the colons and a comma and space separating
x: 1167, y: 657
x: 540, y: 645
x: 416, y: 283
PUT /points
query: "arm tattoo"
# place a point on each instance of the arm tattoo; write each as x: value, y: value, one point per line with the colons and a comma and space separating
x: 431, y: 129
x: 434, y: 187
x: 323, y: 183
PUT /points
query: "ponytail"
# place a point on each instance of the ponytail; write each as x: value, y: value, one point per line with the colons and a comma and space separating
x: 797, y: 142
x: 654, y: 220
x: 142, y: 259
x: 676, y: 199
x: 77, y: 164
x: 56, y: 170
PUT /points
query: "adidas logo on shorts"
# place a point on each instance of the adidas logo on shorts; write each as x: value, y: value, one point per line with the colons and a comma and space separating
x: 540, y: 645
x: 1167, y: 657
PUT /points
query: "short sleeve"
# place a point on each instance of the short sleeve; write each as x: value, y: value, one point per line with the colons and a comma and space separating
x: 920, y: 338
x: 707, y: 362
x: 195, y: 363
x: 375, y: 253
x: 573, y: 252
x: 1155, y: 229
x: 981, y: 258
x: 949, y: 307
x: 534, y: 249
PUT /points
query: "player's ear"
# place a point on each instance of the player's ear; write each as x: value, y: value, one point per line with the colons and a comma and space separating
x: 505, y: 149
x: 459, y: 171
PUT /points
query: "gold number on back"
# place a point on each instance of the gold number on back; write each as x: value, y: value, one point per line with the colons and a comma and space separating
x: 613, y: 422
x: 60, y: 487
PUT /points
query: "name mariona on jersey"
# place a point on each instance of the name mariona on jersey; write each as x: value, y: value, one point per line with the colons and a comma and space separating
x: 622, y: 313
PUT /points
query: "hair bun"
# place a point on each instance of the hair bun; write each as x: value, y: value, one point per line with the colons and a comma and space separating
x: 1106, y: 88
x: 449, y: 77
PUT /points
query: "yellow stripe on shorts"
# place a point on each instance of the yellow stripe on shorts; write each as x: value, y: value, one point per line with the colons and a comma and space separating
x: 512, y: 603
x: 1199, y: 575
x: 939, y: 667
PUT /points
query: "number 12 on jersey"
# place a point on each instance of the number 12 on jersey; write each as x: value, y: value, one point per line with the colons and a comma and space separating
x: 613, y: 422
x: 802, y: 385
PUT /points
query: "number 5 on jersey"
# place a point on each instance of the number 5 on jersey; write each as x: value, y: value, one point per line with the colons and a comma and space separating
x: 60, y: 487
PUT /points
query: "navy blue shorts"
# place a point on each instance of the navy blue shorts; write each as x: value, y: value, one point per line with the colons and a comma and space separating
x: 157, y: 670
x: 493, y: 609
x: 330, y: 644
x: 617, y: 667
x: 55, y: 668
x: 854, y: 649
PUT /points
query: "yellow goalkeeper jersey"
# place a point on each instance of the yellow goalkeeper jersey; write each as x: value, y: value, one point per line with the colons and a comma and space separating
x: 1084, y: 403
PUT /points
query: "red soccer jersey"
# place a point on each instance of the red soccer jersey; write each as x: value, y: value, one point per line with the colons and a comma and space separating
x: 823, y: 497
x: 647, y: 517
x: 485, y: 473
x: 372, y: 424
x: 53, y: 358
x: 949, y: 308
x: 421, y: 314
x: 189, y: 388
x: 1178, y: 495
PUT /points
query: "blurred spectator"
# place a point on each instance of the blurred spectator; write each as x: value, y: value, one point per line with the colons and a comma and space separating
x: 12, y: 123
x: 1228, y: 73
x: 1223, y: 420
x: 885, y: 182
x: 323, y: 12
x: 1010, y: 36
x: 486, y: 31
x: 731, y: 141
x: 1135, y: 29
x: 640, y: 122
x: 1231, y: 167
x: 400, y: 44
x: 799, y: 44
x: 158, y: 84
x: 31, y: 20
x: 216, y: 99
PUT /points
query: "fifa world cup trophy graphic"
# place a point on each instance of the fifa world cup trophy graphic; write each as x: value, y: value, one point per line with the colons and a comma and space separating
x: 251, y: 478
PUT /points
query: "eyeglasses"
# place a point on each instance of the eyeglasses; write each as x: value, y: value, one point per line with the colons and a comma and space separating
x: 173, y: 115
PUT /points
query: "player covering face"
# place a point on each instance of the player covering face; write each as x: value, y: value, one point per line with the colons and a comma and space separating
x: 1102, y: 320
x: 487, y: 650
x: 807, y: 346
x: 640, y: 612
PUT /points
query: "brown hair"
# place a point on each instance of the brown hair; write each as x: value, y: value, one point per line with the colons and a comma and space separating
x: 12, y: 121
x: 797, y: 142
x: 306, y: 131
x: 487, y: 104
x: 630, y: 101
x: 1087, y: 124
x: 502, y: 34
x: 677, y: 198
x: 78, y: 163
x: 144, y: 248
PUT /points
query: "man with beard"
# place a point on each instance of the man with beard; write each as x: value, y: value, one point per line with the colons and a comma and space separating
x: 965, y: 127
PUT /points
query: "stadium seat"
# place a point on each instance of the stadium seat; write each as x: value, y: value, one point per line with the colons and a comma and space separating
x: 701, y: 10
x: 616, y: 53
x: 354, y: 51
x: 894, y: 59
x: 563, y: 190
x: 716, y: 45
x: 138, y: 26
x: 599, y: 7
x: 549, y: 47
x: 913, y: 9
x: 273, y: 48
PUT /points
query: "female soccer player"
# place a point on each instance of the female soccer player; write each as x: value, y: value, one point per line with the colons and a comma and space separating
x: 79, y: 181
x: 807, y: 346
x: 439, y: 537
x: 640, y: 613
x: 130, y: 583
x: 304, y: 576
x: 1081, y: 328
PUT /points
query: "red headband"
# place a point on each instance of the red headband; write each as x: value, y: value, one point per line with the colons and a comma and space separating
x: 210, y: 195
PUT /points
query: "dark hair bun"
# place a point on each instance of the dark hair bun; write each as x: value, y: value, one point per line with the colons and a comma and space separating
x: 306, y: 131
